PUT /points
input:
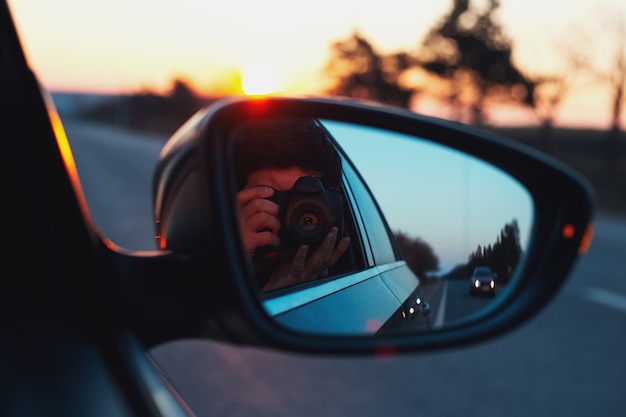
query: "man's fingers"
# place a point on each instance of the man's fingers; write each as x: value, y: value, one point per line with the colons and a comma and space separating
x: 257, y: 217
x: 325, y: 248
x: 258, y: 205
x: 298, y: 265
x: 299, y: 258
x: 319, y: 259
x: 339, y: 250
x: 249, y: 194
x: 264, y: 239
x: 260, y: 222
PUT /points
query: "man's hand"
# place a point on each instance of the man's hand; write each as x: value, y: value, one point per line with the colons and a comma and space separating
x: 258, y: 219
x: 303, y: 269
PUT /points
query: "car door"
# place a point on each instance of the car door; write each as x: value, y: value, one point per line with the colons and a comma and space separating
x: 386, y: 259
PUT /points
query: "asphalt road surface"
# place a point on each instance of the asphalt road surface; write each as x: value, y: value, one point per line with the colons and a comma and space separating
x: 570, y: 360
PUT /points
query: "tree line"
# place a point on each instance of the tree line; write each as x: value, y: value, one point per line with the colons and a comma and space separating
x: 149, y: 111
x: 466, y: 61
x: 502, y: 256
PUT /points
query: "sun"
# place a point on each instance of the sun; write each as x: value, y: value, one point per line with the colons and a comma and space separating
x: 261, y: 80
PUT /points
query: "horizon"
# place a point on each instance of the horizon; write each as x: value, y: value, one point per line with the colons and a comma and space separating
x: 72, y: 47
x: 90, y: 97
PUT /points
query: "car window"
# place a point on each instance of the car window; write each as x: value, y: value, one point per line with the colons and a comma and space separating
x: 482, y: 272
x: 355, y: 259
x: 377, y: 232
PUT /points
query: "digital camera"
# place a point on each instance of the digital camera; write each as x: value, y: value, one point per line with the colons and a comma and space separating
x: 307, y: 212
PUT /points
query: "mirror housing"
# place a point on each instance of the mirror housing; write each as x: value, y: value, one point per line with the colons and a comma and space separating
x: 195, y: 213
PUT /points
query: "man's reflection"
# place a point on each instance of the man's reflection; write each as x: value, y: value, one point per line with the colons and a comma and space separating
x: 270, y: 157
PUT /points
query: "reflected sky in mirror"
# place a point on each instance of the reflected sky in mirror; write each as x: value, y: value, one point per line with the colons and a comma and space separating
x: 450, y: 200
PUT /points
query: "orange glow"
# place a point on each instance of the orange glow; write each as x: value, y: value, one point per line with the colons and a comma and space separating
x: 261, y: 80
x: 568, y: 231
x: 162, y: 242
x: 102, y: 63
x: 585, y: 243
x: 66, y: 154
x: 109, y: 244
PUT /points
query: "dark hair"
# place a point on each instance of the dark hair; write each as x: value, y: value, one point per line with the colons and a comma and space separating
x: 285, y: 143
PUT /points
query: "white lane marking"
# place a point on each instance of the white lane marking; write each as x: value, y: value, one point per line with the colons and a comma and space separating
x: 441, y: 310
x: 606, y: 298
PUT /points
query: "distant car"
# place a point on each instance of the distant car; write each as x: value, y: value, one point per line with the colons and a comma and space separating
x: 482, y: 281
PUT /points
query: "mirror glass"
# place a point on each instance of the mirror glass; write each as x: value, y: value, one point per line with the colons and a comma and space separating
x: 380, y: 232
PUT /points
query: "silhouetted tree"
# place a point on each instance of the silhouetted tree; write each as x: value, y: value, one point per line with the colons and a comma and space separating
x: 552, y: 87
x: 149, y: 111
x: 183, y: 102
x: 612, y: 48
x: 549, y: 94
x: 470, y: 52
x: 615, y: 77
x: 508, y: 252
x: 502, y: 257
x: 361, y: 72
x: 418, y: 254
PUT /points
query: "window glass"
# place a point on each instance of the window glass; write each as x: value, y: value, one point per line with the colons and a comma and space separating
x: 376, y: 229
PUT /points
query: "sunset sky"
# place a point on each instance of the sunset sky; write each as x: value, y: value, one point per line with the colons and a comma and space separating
x: 277, y: 45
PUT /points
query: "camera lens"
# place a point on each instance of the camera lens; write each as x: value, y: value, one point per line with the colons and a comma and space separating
x: 309, y: 212
x: 308, y: 221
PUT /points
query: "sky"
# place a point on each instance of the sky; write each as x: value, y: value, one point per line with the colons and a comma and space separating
x: 450, y: 200
x: 282, y: 46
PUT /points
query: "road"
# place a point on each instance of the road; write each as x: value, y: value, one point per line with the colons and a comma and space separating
x: 569, y: 360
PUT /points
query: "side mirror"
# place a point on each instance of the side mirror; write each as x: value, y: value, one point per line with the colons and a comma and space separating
x: 424, y: 203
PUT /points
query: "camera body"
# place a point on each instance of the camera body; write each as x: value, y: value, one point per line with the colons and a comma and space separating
x: 307, y: 212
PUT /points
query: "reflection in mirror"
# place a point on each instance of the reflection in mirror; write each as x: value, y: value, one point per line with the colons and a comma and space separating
x: 436, y: 240
x: 289, y: 202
